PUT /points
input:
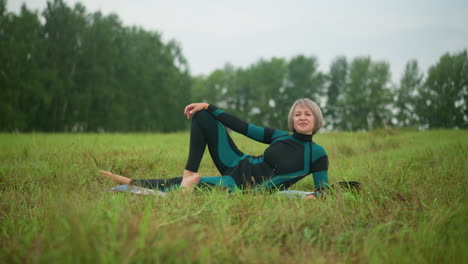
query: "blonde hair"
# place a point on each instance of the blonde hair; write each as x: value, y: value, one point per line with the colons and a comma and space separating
x: 307, y: 103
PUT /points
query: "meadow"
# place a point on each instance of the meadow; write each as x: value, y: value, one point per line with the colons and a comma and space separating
x: 55, y: 208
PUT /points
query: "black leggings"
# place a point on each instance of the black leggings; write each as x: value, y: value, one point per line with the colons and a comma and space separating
x: 205, y: 130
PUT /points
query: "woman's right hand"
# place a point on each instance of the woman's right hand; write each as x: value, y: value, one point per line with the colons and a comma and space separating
x: 191, y: 109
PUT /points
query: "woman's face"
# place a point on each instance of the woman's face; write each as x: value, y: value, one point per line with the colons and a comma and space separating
x: 303, y: 120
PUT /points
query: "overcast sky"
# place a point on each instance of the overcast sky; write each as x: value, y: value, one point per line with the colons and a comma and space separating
x: 241, y: 32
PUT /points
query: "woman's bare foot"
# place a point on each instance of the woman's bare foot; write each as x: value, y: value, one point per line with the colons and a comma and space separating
x: 189, y: 180
x: 116, y: 178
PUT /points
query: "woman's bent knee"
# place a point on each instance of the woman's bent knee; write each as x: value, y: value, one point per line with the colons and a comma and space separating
x: 202, y: 116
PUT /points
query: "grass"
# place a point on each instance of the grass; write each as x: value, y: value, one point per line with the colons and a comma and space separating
x: 54, y: 207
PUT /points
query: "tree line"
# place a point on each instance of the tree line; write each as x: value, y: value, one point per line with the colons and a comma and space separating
x: 70, y: 70
x: 354, y: 94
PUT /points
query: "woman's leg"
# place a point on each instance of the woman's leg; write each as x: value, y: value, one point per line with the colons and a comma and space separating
x: 206, y: 130
x: 116, y: 178
x: 173, y: 183
x: 160, y: 184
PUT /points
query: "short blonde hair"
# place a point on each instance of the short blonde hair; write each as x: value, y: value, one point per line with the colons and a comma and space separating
x: 306, y: 103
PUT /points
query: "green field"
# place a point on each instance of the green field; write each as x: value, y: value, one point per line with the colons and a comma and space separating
x: 55, y: 208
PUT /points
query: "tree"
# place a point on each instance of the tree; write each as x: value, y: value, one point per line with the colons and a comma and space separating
x: 367, y: 95
x: 86, y: 72
x: 303, y: 79
x: 264, y: 81
x: 22, y: 78
x: 98, y: 100
x: 252, y: 93
x: 442, y: 101
x: 405, y: 95
x: 64, y: 28
x: 336, y: 84
x: 381, y: 96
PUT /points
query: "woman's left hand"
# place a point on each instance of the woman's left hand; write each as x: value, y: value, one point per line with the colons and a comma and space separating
x: 310, y: 196
x: 191, y: 109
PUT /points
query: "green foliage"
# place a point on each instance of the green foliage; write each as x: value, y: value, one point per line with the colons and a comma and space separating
x: 444, y: 95
x: 263, y: 92
x: 22, y: 54
x: 336, y: 85
x: 261, y: 84
x: 303, y: 80
x: 405, y: 101
x: 366, y: 95
x: 87, y: 72
x: 55, y: 208
x: 66, y: 69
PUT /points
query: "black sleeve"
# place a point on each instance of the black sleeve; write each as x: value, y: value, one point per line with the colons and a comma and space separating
x: 260, y: 134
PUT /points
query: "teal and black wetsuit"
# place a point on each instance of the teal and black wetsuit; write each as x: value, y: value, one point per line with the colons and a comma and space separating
x: 288, y: 158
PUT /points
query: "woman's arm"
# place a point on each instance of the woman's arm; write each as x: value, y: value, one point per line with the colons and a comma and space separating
x: 319, y: 166
x: 261, y: 134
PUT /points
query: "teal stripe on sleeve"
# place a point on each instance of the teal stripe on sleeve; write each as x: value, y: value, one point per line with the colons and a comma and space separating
x: 320, y: 179
x: 279, y: 133
x: 255, y: 132
x: 217, y: 112
x: 317, y: 152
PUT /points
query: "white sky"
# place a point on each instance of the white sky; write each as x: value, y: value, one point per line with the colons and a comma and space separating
x: 241, y: 32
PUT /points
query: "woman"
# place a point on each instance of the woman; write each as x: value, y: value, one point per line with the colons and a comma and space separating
x: 287, y: 159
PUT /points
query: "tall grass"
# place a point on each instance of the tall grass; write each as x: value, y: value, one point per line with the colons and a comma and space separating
x: 55, y: 208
